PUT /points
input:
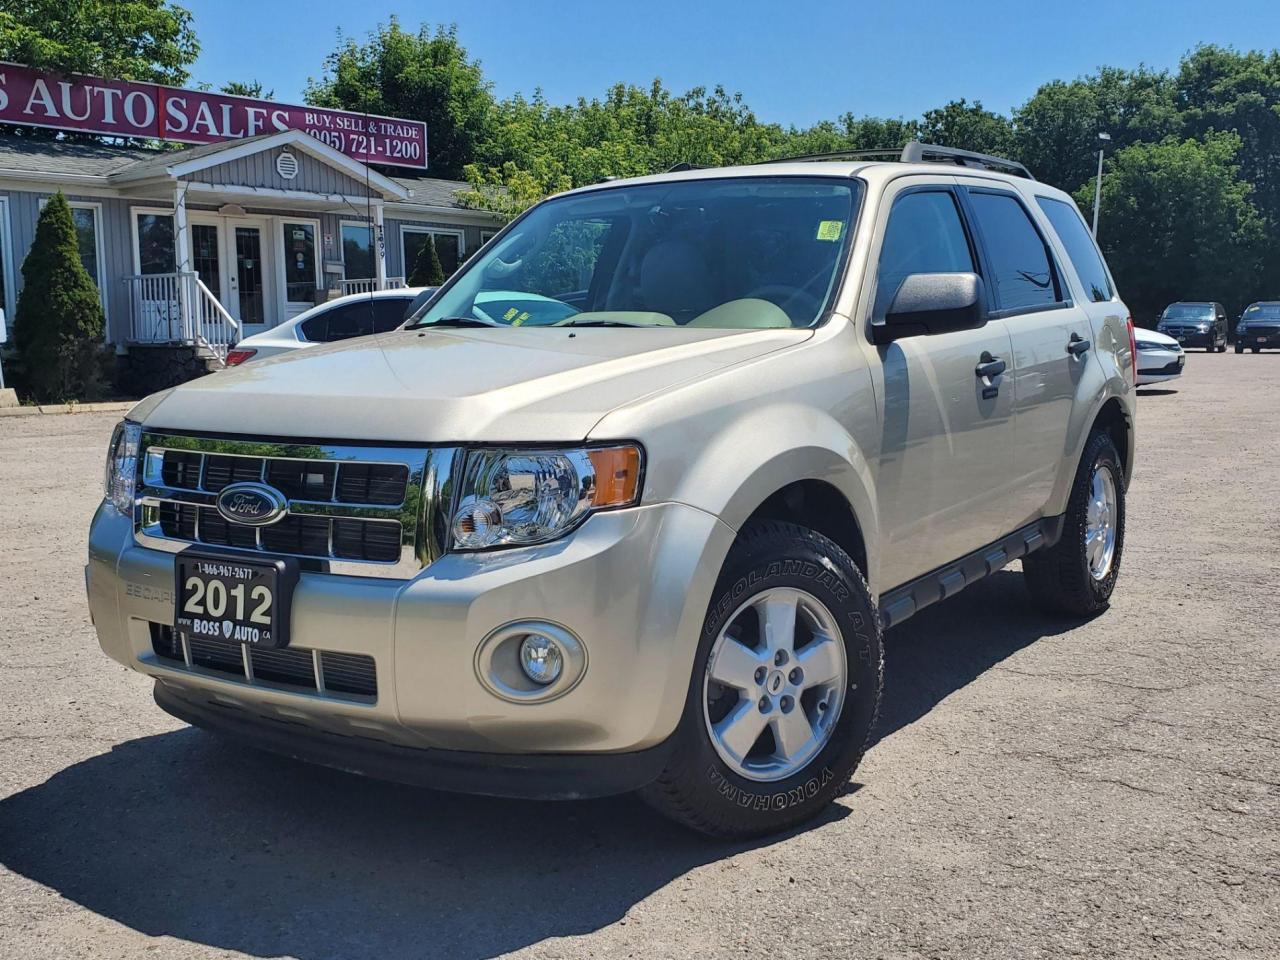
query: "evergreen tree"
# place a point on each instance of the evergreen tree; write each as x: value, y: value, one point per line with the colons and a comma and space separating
x: 427, y: 271
x: 58, y: 325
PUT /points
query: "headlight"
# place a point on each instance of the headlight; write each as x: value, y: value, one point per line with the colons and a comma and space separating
x: 514, y: 498
x: 1202, y: 327
x: 122, y: 466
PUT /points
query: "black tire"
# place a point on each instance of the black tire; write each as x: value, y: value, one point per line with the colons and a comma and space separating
x: 1239, y: 349
x: 1256, y: 349
x: 698, y: 788
x: 1058, y: 577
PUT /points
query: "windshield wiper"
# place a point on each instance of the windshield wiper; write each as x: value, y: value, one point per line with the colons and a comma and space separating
x: 452, y: 322
x: 598, y: 323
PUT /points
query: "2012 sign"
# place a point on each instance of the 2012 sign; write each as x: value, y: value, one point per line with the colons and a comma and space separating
x: 122, y: 108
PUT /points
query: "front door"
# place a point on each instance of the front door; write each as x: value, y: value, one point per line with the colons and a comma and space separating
x: 249, y: 299
x: 946, y: 455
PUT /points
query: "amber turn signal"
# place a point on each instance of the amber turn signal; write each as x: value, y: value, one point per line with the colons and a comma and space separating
x: 617, y: 475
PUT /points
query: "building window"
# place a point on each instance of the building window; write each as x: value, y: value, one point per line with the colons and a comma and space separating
x: 357, y: 251
x: 6, y: 264
x: 300, y: 261
x: 155, y: 243
x: 448, y: 247
x: 85, y: 219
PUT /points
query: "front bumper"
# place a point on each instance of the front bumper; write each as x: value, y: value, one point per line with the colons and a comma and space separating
x: 1267, y: 341
x: 1192, y: 339
x: 1155, y: 366
x: 633, y: 585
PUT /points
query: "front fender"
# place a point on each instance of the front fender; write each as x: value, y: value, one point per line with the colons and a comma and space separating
x: 766, y: 449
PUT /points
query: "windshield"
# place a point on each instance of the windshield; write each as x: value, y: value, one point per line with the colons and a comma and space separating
x: 742, y: 252
x: 1188, y: 311
x: 1263, y: 311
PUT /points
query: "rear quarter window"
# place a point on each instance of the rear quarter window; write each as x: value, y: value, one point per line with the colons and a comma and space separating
x: 1081, y: 249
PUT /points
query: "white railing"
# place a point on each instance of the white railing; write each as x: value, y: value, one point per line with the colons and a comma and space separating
x: 179, y: 308
x: 369, y: 284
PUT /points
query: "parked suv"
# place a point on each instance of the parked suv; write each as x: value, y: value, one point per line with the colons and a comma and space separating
x: 651, y: 539
x: 1196, y: 324
x: 1259, y: 326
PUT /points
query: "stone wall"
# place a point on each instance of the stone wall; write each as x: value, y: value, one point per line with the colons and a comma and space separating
x: 146, y: 369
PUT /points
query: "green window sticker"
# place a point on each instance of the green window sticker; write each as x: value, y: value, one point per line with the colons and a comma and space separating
x: 830, y: 230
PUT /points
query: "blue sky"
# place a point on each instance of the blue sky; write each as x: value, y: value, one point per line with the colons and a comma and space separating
x: 794, y: 61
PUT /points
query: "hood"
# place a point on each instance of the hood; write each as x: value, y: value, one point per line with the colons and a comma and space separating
x: 456, y: 385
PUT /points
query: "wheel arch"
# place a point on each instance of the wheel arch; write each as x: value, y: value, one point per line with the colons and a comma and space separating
x: 823, y: 483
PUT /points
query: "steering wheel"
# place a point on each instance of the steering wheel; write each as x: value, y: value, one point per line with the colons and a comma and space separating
x: 786, y: 297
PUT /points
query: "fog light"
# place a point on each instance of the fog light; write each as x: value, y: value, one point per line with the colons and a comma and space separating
x: 541, y: 659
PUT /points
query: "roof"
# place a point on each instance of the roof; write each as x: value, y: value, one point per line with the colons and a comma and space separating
x: 38, y: 158
x: 881, y: 171
x: 34, y: 155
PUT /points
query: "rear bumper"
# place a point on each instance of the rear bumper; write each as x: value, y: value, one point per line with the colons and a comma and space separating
x: 568, y: 776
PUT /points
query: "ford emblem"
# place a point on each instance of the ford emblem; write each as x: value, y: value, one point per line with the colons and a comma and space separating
x: 253, y: 504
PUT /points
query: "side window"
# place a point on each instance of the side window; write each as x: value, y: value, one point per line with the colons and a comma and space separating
x: 1080, y: 247
x: 925, y: 235
x: 388, y: 313
x: 1022, y: 270
x: 340, y: 323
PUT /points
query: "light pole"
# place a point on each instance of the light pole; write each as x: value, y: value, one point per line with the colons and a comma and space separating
x: 1103, y: 140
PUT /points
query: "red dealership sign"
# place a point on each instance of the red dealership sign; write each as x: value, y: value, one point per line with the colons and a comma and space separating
x: 121, y: 108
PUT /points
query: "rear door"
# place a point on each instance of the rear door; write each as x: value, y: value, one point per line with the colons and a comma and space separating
x: 946, y: 457
x: 1050, y: 333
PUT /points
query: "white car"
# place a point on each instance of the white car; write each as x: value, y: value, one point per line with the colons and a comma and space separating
x: 1160, y: 357
x: 356, y: 315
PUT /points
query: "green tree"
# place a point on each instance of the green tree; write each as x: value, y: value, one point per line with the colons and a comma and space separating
x: 1220, y: 89
x: 968, y: 127
x: 427, y: 271
x: 1056, y: 130
x: 425, y: 76
x: 147, y: 40
x: 252, y: 88
x: 1177, y: 223
x: 58, y: 324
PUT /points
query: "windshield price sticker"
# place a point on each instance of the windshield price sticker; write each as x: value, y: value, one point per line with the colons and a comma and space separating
x: 830, y: 230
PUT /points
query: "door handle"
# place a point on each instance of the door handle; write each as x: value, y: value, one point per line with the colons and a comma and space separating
x: 1077, y: 345
x: 989, y: 367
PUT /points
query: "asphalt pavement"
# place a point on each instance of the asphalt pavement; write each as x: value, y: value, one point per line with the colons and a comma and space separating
x: 1038, y: 788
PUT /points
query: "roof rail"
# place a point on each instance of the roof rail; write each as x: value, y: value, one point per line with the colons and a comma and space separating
x: 917, y: 152
x: 886, y: 154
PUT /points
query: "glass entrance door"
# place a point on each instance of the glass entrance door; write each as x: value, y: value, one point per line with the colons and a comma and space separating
x: 206, y: 257
x: 250, y: 275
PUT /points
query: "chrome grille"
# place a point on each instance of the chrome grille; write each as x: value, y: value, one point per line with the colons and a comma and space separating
x: 345, y: 676
x: 352, y: 508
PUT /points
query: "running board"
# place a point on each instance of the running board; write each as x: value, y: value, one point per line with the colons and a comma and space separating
x: 912, y: 597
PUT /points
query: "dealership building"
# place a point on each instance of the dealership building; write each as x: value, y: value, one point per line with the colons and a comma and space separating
x: 201, y: 246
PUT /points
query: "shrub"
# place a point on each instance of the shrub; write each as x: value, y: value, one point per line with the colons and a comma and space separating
x: 427, y: 271
x: 58, y: 325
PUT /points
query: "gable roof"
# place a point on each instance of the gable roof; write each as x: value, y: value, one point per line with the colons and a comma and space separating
x: 179, y: 163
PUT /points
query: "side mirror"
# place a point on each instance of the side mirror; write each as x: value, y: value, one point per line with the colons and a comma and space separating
x: 927, y: 303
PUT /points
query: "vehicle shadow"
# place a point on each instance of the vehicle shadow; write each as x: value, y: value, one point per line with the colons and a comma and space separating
x: 184, y: 835
x: 1151, y: 392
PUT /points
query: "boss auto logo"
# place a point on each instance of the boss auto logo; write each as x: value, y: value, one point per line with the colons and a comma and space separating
x: 253, y: 504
